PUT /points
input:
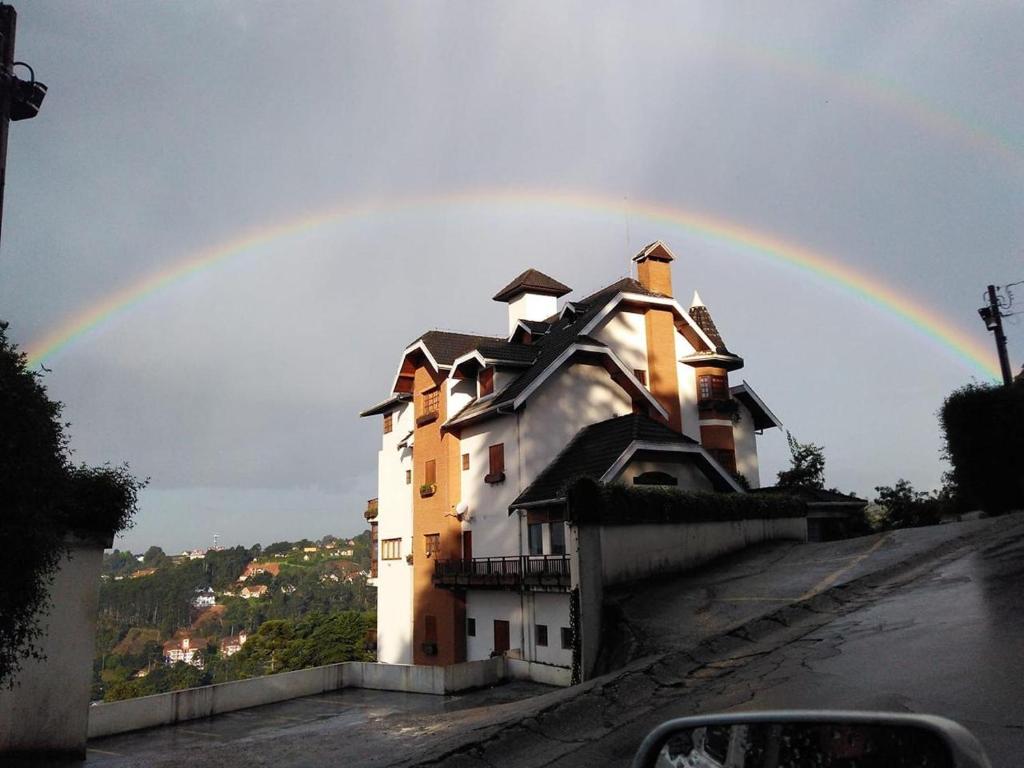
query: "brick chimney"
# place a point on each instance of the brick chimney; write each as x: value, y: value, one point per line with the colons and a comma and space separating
x: 654, y: 268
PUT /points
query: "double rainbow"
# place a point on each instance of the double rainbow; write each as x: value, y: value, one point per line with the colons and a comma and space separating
x: 870, y: 289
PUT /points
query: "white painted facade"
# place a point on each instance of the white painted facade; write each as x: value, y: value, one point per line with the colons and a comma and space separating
x: 579, y: 395
x: 530, y: 306
x: 394, y: 521
x: 743, y: 433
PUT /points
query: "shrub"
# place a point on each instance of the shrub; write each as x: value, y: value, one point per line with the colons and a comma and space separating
x: 984, y: 433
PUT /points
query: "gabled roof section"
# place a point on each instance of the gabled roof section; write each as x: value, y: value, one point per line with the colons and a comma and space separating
x: 391, y: 404
x: 531, y: 328
x: 440, y: 349
x: 763, y: 417
x: 532, y: 281
x: 447, y: 346
x: 564, y: 330
x: 607, y: 446
x: 656, y: 250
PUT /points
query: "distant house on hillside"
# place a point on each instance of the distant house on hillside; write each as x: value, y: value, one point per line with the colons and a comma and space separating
x: 255, y: 569
x: 183, y: 650
x: 231, y: 645
x: 143, y: 572
x: 204, y: 598
x: 258, y: 590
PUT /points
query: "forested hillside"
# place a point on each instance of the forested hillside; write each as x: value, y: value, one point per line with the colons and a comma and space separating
x: 293, y: 604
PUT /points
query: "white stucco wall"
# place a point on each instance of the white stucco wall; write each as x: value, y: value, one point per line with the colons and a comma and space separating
x: 746, y: 447
x: 552, y: 610
x: 485, y: 606
x: 48, y: 708
x: 687, y: 377
x: 690, y: 477
x: 530, y: 306
x: 394, y: 520
x: 578, y: 395
x: 495, y: 533
x: 626, y: 334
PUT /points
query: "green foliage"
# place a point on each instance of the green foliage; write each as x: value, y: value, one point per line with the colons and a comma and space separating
x: 903, y: 507
x: 45, y: 498
x: 161, y: 679
x: 984, y: 434
x: 283, y: 645
x: 155, y: 558
x: 807, y: 468
x: 593, y: 502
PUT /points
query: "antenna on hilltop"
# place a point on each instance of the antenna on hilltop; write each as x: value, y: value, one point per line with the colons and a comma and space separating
x: 215, y: 537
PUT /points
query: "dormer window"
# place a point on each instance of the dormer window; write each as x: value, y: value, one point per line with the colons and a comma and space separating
x: 430, y: 403
x: 485, y: 382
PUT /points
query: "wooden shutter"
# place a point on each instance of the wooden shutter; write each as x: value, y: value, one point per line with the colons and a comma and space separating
x: 486, y: 380
x: 430, y: 472
x: 497, y: 459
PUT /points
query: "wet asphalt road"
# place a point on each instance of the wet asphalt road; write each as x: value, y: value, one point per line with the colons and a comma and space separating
x: 918, y: 621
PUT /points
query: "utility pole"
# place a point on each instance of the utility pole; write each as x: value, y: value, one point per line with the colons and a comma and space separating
x: 8, y: 22
x: 19, y: 99
x: 994, y: 322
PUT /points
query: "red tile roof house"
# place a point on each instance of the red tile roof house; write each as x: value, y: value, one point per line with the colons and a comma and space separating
x: 182, y: 649
x: 481, y: 434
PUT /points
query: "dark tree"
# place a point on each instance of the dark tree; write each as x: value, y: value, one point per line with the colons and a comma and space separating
x: 44, y: 499
x: 906, y: 508
x: 807, y: 469
x: 984, y: 432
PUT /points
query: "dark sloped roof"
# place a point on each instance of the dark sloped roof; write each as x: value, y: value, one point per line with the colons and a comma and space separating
x: 514, y: 353
x: 390, y: 404
x: 539, y: 327
x: 702, y: 317
x: 562, y: 334
x: 447, y: 346
x: 813, y: 495
x: 532, y: 281
x: 593, y: 451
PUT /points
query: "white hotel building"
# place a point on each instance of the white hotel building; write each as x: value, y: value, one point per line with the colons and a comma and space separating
x: 482, y: 434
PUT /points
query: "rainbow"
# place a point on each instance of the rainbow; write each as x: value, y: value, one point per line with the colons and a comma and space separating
x: 870, y: 289
x: 876, y: 92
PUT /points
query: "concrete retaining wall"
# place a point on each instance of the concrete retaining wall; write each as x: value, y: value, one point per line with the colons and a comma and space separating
x: 631, y: 552
x: 519, y: 669
x: 46, y: 709
x: 109, y: 718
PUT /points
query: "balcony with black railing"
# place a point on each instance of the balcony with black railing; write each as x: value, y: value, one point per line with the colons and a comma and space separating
x: 545, y: 573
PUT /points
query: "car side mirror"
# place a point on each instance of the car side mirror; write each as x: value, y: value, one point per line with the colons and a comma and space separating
x: 793, y: 739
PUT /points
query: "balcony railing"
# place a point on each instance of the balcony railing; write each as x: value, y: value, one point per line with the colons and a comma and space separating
x: 541, y: 572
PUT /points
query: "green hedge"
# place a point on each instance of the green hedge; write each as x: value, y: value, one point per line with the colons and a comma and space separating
x: 984, y: 430
x: 590, y: 501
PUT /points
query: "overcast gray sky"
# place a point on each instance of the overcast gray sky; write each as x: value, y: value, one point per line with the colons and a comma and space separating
x: 885, y: 137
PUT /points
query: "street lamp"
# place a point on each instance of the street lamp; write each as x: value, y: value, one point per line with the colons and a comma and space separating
x: 26, y: 95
